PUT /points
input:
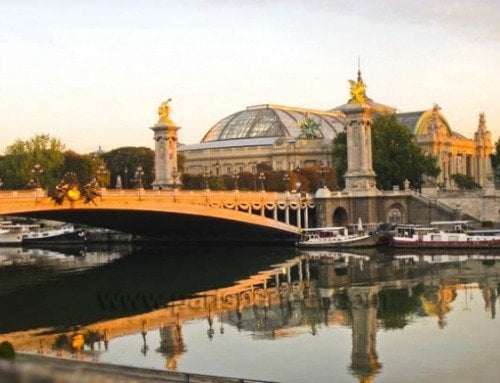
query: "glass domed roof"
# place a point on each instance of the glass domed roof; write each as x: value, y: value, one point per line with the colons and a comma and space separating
x: 274, y: 121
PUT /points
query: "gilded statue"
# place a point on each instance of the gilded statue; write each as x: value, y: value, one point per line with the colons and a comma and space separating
x: 358, y: 89
x: 163, y: 113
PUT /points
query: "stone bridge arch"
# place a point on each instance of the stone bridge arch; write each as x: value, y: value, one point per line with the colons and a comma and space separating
x: 179, y: 216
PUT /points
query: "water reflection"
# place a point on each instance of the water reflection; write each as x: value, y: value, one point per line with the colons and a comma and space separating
x: 309, y: 295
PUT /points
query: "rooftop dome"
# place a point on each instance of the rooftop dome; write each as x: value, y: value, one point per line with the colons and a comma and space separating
x: 274, y: 121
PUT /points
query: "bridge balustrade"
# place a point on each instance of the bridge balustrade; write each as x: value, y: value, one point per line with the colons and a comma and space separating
x: 266, y: 204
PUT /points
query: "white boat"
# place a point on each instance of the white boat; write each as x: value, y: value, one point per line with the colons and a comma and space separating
x: 335, y: 237
x: 12, y: 234
x: 436, y: 237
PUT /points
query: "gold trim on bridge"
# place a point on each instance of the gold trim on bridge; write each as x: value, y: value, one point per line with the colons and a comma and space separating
x: 228, y: 205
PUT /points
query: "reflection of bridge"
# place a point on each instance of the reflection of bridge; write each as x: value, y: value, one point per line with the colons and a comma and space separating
x: 175, y: 214
x: 301, y: 294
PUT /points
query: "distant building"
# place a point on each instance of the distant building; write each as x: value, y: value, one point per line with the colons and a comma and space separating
x: 287, y: 138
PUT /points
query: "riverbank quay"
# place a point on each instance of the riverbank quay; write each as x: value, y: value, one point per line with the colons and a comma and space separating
x: 33, y: 368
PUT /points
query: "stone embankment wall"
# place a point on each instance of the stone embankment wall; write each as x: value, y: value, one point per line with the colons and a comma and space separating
x: 483, y: 205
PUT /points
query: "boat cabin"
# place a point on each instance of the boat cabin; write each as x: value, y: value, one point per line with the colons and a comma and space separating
x: 452, y: 226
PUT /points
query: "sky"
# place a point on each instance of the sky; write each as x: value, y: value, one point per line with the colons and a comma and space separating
x: 93, y: 73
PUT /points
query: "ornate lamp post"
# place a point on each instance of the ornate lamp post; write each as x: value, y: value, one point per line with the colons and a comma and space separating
x: 36, y: 172
x: 286, y: 179
x: 323, y: 171
x: 139, y: 173
x: 125, y: 175
x: 100, y: 174
x: 236, y: 177
x: 262, y: 178
x: 205, y: 177
x: 174, y: 176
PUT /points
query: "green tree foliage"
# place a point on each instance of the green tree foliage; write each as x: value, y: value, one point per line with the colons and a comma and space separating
x: 20, y: 158
x: 82, y: 165
x: 465, y: 182
x: 7, y: 351
x: 124, y: 162
x: 396, y: 155
x: 495, y: 157
x: 339, y: 155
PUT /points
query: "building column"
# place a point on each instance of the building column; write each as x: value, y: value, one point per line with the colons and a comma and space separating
x: 299, y: 223
x: 306, y: 217
x: 165, y: 136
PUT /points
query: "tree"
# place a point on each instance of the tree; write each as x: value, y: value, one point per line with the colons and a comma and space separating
x: 82, y: 165
x: 495, y: 157
x: 20, y: 158
x: 465, y: 182
x: 339, y: 154
x: 124, y: 162
x: 396, y: 155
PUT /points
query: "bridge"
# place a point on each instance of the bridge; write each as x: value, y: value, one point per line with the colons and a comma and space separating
x: 177, y: 215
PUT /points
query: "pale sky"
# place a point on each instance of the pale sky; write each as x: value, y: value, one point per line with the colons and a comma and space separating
x: 94, y: 72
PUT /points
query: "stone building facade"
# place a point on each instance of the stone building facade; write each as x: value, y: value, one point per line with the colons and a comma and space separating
x: 288, y: 138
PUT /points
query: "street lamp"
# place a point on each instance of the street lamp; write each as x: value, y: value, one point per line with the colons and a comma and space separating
x: 139, y: 173
x: 217, y: 168
x: 205, y: 177
x: 36, y: 171
x: 262, y: 178
x: 286, y: 180
x: 125, y: 172
x: 235, y: 176
x: 323, y: 171
x: 174, y: 176
x: 100, y: 174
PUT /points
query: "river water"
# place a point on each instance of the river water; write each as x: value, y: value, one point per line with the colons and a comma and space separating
x: 276, y: 314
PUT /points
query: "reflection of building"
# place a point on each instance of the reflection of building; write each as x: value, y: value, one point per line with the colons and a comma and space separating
x: 437, y: 303
x: 290, y: 137
x: 171, y: 345
x: 364, y: 358
x: 302, y: 295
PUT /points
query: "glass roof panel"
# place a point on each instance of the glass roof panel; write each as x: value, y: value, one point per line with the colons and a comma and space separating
x: 214, y: 133
x: 271, y: 121
x: 266, y: 125
x: 239, y: 126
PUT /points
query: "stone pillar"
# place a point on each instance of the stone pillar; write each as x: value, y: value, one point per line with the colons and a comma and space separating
x: 484, y: 147
x: 165, y: 136
x: 360, y: 175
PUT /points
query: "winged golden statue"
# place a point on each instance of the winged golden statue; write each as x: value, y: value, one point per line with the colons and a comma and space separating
x: 163, y: 113
x: 358, y: 89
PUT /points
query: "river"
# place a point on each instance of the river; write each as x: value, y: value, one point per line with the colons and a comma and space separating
x: 276, y: 314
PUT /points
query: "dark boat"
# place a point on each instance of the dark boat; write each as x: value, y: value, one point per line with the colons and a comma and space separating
x: 66, y: 234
